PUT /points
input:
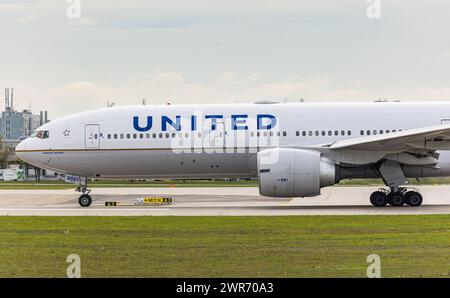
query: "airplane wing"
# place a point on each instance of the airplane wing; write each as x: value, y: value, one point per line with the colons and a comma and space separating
x: 427, y: 138
x: 413, y: 146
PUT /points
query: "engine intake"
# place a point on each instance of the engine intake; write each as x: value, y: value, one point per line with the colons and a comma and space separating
x: 287, y: 172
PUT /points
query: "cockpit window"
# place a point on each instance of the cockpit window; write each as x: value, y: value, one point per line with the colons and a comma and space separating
x: 41, y: 134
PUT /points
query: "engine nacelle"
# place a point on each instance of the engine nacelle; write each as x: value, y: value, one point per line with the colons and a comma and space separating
x: 286, y: 172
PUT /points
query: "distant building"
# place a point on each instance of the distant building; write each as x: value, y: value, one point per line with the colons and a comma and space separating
x: 15, y: 125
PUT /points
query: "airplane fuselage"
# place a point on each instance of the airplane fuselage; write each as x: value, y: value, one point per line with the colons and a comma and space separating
x: 217, y: 141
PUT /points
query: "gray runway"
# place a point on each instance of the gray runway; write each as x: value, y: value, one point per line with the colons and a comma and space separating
x: 214, y: 201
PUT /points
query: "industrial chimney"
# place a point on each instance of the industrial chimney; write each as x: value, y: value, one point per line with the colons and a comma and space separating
x: 12, y: 99
x: 6, y: 98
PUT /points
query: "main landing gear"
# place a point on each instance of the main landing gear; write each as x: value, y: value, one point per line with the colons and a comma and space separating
x: 85, y: 199
x: 395, y: 195
x: 396, y: 198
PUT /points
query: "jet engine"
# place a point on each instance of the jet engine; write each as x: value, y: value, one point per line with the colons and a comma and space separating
x: 287, y: 172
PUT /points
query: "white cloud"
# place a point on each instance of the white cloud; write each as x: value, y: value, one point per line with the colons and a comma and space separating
x: 226, y: 78
x: 167, y: 78
x: 173, y: 87
x: 228, y: 51
x: 438, y: 56
x: 84, y: 22
x: 28, y: 19
x: 425, y: 94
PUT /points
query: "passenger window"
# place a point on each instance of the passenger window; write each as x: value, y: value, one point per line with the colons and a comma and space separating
x: 284, y: 133
x: 330, y: 133
x: 310, y: 133
x: 128, y: 136
x: 368, y: 132
x: 109, y: 136
x: 374, y: 132
x: 122, y: 135
x: 316, y: 133
x: 336, y: 133
x: 349, y: 132
x: 304, y: 133
x: 115, y: 136
x: 134, y: 136
x: 361, y: 132
x: 160, y: 135
x: 147, y: 136
x: 297, y: 133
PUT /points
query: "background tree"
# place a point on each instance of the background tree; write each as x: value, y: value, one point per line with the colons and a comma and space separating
x: 3, y: 154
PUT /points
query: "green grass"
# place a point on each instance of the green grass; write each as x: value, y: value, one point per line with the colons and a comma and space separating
x: 319, y: 246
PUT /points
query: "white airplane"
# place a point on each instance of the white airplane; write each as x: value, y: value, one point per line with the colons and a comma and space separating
x: 294, y: 149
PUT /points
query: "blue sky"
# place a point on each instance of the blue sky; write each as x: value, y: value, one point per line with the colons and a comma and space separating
x: 184, y: 51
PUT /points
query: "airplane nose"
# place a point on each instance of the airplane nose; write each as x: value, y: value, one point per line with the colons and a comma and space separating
x: 21, y: 150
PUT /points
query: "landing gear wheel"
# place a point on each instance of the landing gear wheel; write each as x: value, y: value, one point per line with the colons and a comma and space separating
x: 396, y: 199
x: 413, y: 198
x: 378, y: 199
x: 85, y: 200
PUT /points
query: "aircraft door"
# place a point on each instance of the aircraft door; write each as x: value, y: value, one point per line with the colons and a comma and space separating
x: 217, y: 136
x: 92, y: 136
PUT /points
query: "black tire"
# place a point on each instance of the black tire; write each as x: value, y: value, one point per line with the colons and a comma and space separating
x: 413, y: 199
x: 378, y: 199
x: 396, y: 199
x: 85, y: 200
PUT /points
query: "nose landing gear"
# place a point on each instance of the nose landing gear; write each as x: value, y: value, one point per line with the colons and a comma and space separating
x: 85, y: 199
